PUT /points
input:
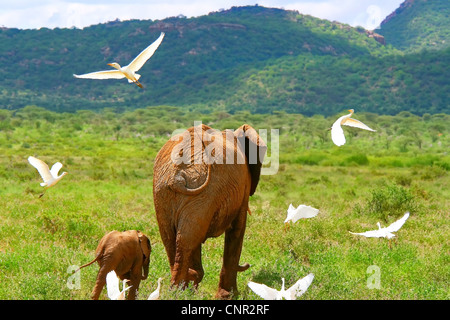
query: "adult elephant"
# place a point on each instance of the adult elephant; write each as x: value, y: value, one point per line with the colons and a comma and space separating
x: 202, y: 180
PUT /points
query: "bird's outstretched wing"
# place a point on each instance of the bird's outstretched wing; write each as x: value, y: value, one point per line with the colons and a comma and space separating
x: 307, y: 211
x: 107, y: 74
x: 291, y: 207
x: 301, y: 212
x: 146, y: 54
x: 112, y: 285
x: 55, y: 169
x: 263, y: 291
x: 355, y: 123
x: 395, y: 226
x: 41, y: 167
x: 299, y: 288
x: 369, y: 234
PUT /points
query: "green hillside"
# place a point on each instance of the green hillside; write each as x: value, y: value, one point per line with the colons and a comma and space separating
x: 310, y: 85
x: 418, y: 24
x: 246, y: 58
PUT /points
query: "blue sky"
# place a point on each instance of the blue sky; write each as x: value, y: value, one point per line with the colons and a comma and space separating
x: 34, y: 14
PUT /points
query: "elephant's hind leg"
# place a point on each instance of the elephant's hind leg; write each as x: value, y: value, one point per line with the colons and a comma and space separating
x: 197, y: 266
x: 232, y: 252
x: 181, y: 273
x: 168, y: 237
x: 186, y: 252
x: 100, y: 282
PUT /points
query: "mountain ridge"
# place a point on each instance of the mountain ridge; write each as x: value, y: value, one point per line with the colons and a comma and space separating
x: 208, y: 62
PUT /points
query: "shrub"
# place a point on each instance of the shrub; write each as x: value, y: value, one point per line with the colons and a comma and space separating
x: 403, y: 180
x: 443, y: 164
x: 390, y: 199
x: 359, y: 159
x: 311, y: 159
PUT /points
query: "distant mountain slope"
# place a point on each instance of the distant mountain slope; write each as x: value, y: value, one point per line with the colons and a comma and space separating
x: 326, y: 85
x: 246, y: 58
x: 418, y: 24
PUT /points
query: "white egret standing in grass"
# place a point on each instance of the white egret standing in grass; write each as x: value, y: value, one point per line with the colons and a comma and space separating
x: 112, y: 286
x: 128, y: 71
x: 267, y: 293
x: 301, y: 212
x: 155, y: 294
x: 386, y: 232
x: 337, y: 134
x: 50, y: 176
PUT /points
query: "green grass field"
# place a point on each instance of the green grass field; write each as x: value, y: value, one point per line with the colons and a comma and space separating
x: 404, y: 166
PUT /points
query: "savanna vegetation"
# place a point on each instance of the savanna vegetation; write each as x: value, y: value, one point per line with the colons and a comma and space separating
x: 375, y: 176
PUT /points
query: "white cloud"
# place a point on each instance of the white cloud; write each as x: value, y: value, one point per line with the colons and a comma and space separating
x: 330, y: 10
x: 374, y: 18
x: 50, y: 15
x: 80, y: 13
x: 59, y: 13
x: 365, y: 13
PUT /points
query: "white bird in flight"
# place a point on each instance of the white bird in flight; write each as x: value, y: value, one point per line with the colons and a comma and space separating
x: 128, y: 71
x: 301, y: 212
x: 386, y: 232
x: 112, y: 286
x: 337, y: 134
x: 267, y: 293
x: 155, y: 294
x: 50, y: 176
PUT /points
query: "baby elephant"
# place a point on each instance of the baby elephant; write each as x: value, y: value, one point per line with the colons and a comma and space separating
x: 128, y: 254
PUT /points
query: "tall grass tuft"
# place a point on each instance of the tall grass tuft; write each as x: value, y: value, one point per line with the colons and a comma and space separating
x: 358, y: 159
x: 391, y: 199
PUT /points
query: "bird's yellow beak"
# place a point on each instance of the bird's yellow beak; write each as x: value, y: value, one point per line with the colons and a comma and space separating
x: 110, y: 64
x: 351, y: 110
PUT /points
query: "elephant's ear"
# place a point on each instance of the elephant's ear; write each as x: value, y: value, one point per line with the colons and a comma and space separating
x: 144, y: 242
x: 255, y: 150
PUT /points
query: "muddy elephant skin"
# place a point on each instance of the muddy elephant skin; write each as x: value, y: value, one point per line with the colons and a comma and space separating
x: 202, y: 181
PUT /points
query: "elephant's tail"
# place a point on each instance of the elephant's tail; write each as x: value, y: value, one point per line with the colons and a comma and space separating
x: 87, y: 264
x: 179, y: 184
x: 244, y: 267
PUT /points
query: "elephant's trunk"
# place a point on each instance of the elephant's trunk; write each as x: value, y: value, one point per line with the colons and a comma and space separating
x: 145, y: 268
